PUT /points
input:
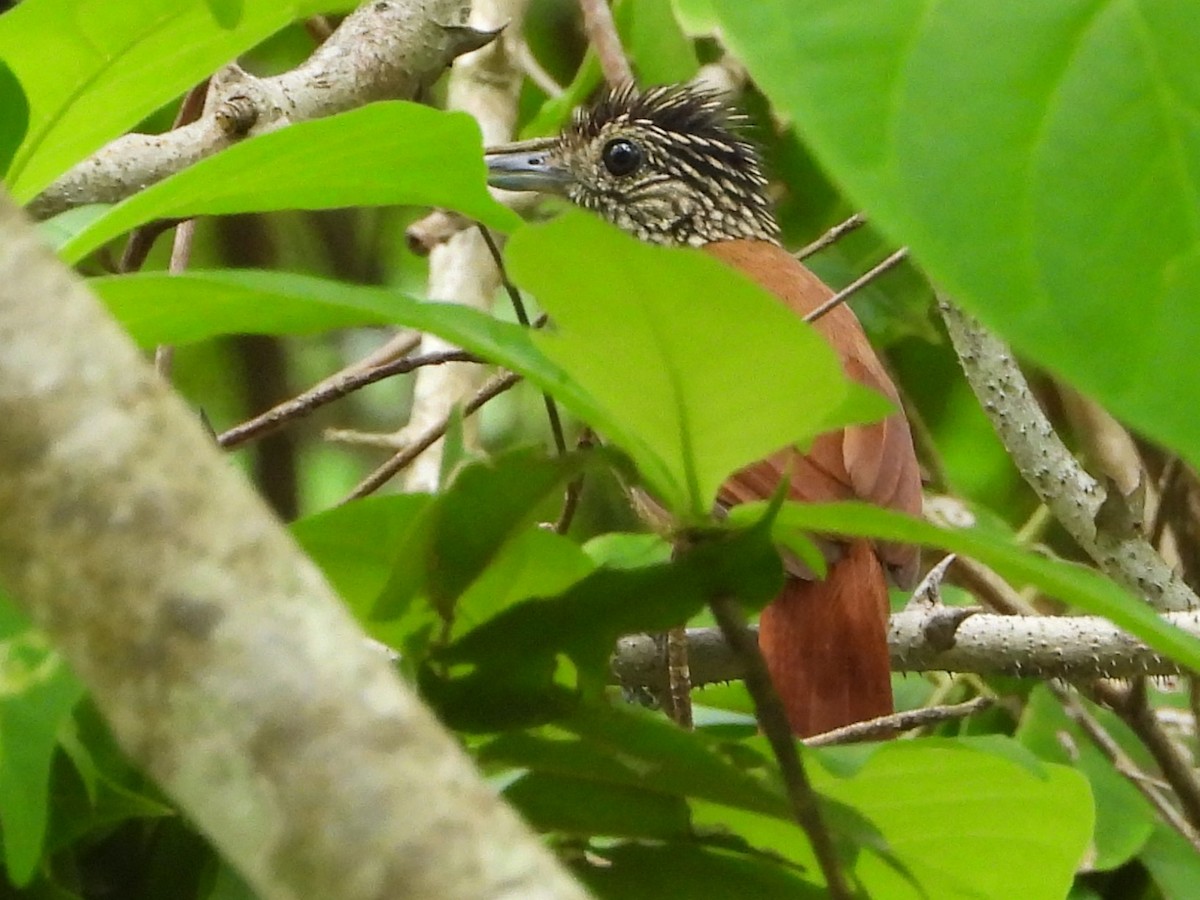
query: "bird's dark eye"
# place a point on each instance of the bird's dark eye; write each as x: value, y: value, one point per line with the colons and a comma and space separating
x: 621, y: 157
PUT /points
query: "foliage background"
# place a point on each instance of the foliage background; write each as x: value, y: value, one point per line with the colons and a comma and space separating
x: 1041, y: 164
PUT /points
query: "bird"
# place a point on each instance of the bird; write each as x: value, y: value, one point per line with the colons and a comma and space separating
x: 671, y: 165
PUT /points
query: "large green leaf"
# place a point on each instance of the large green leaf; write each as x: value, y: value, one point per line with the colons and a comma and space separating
x: 15, y: 120
x: 1041, y: 159
x: 1073, y: 584
x: 1124, y: 817
x: 37, y: 693
x: 92, y: 70
x: 379, y: 155
x: 1014, y: 833
x: 672, y: 344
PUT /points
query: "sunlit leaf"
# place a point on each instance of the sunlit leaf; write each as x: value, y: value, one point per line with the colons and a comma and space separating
x: 1042, y: 161
x: 93, y: 70
x: 378, y: 155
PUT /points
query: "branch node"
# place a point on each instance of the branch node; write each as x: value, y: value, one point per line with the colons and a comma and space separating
x: 941, y: 631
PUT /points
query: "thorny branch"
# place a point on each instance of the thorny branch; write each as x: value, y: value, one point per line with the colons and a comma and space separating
x: 1086, y: 510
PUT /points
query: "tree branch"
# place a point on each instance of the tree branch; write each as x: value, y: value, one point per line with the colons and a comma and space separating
x: 943, y: 639
x: 386, y: 49
x: 223, y: 662
x: 1097, y: 519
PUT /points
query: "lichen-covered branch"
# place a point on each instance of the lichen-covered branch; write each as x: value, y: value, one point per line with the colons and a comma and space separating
x: 950, y: 639
x: 387, y: 49
x: 222, y: 660
x: 1097, y: 519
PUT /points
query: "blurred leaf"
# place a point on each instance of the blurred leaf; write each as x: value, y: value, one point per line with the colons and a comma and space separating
x: 457, y: 544
x: 382, y: 154
x: 37, y: 694
x: 531, y: 563
x: 15, y: 120
x: 585, y: 806
x: 628, y: 551
x: 1052, y: 179
x: 1073, y: 584
x: 1124, y: 818
x: 627, y: 746
x: 59, y: 229
x: 684, y: 871
x: 657, y: 48
x: 688, y: 401
x: 226, y: 12
x: 533, y: 662
x: 1172, y: 862
x: 93, y: 70
x: 1013, y: 833
x: 357, y: 545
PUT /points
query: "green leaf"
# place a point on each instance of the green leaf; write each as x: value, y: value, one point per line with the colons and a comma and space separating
x: 16, y: 115
x: 630, y: 747
x: 456, y: 544
x: 658, y: 49
x: 692, y: 337
x: 37, y: 694
x: 1073, y: 584
x: 378, y: 155
x: 585, y: 806
x: 226, y: 12
x: 1124, y: 818
x: 1173, y: 862
x: 93, y: 70
x: 357, y: 545
x: 197, y: 305
x: 1014, y: 833
x: 535, y: 661
x: 685, y: 871
x: 1047, y: 174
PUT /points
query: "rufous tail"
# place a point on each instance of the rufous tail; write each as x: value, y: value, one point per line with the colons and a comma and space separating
x: 825, y: 643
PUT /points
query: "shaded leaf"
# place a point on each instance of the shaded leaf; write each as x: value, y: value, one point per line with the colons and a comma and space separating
x: 16, y: 115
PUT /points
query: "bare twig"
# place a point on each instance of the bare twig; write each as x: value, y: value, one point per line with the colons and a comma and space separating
x: 858, y: 284
x: 1132, y: 705
x: 773, y: 720
x: 327, y: 392
x: 834, y: 234
x: 1088, y: 512
x: 1123, y: 763
x: 538, y: 75
x: 679, y: 679
x: 494, y: 388
x: 602, y: 35
x: 888, y: 726
x: 181, y: 256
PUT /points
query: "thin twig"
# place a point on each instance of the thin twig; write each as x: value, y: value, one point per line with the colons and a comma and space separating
x: 1078, y: 501
x: 537, y: 74
x: 514, y: 295
x: 181, y: 257
x: 887, y: 726
x: 858, y: 284
x: 1122, y: 762
x: 773, y: 720
x: 1134, y: 709
x: 330, y: 390
x: 834, y: 234
x: 602, y: 34
x: 679, y: 678
x: 493, y: 388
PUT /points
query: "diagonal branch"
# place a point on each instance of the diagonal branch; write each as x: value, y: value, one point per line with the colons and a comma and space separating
x: 1096, y: 518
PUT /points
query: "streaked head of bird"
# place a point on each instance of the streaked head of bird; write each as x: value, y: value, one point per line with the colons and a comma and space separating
x: 665, y: 165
